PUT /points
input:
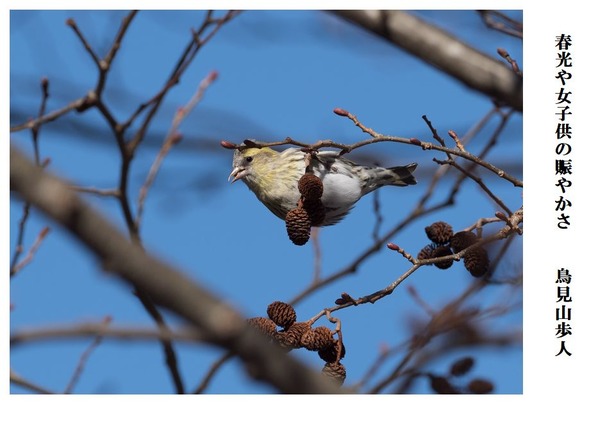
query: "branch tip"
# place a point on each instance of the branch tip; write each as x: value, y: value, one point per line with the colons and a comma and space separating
x: 228, y: 144
x: 502, y: 216
x: 212, y: 76
x: 341, y: 112
x: 392, y: 246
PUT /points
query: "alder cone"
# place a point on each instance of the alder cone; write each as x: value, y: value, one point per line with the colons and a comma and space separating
x: 462, y: 240
x: 297, y: 222
x: 441, y: 385
x: 317, y: 338
x: 283, y: 314
x: 476, y: 261
x: 329, y: 354
x: 264, y: 325
x: 480, y: 386
x: 292, y: 337
x: 462, y: 366
x: 426, y: 252
x: 315, y: 210
x: 441, y: 252
x: 310, y: 187
x: 335, y: 371
x: 439, y: 232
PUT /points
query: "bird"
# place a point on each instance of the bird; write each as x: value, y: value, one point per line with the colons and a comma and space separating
x: 273, y: 177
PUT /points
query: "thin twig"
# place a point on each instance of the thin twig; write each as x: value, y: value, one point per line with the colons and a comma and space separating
x: 358, y: 123
x: 477, y: 180
x: 22, y: 382
x: 95, y: 329
x: 503, y: 23
x: 76, y: 105
x: 203, y: 385
x: 29, y: 257
x: 479, y: 125
x: 36, y: 129
x: 71, y: 23
x: 116, y: 45
x: 20, y: 238
x: 433, y: 130
x: 173, y: 137
x: 111, y: 192
x: 84, y: 358
x: 317, y: 253
x: 181, y: 66
x: 35, y: 133
x: 378, y: 216
x: 512, y: 62
x: 424, y: 306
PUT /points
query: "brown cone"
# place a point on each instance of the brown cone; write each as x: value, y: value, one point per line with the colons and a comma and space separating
x: 297, y: 223
x: 316, y: 211
x: 335, y: 371
x: 264, y: 325
x: 281, y: 313
x: 477, y: 261
x: 439, y: 232
x: 441, y: 252
x: 310, y: 187
x: 462, y: 240
x: 317, y: 338
x: 291, y: 338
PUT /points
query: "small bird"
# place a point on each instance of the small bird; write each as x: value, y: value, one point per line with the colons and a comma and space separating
x: 273, y: 176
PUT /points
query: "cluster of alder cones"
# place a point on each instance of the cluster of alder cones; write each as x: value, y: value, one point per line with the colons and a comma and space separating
x: 309, y: 212
x: 446, y: 242
x: 296, y: 335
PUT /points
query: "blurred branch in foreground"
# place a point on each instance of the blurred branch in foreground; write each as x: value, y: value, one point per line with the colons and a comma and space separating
x: 220, y: 324
x: 444, y: 51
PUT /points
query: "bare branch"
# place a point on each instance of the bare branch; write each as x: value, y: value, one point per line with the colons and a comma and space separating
x: 203, y: 385
x: 501, y: 22
x: 35, y: 131
x: 101, y: 329
x: 442, y: 50
x: 380, y: 138
x: 83, y: 359
x: 20, y: 381
x: 29, y: 257
x: 97, y: 191
x: 173, y: 137
x: 164, y: 285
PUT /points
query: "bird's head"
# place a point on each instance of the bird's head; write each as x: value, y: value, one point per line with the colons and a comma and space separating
x: 248, y: 160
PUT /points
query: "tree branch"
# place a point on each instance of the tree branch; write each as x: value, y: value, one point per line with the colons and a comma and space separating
x: 221, y: 325
x: 444, y: 51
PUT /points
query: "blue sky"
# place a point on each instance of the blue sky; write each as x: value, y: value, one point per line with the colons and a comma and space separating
x: 280, y: 74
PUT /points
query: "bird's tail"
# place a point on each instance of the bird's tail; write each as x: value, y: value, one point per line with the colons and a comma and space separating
x: 403, y: 175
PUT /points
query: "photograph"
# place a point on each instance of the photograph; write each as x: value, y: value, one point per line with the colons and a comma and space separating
x: 279, y: 203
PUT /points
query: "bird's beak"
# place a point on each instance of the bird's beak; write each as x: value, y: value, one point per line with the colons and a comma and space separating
x: 237, y: 173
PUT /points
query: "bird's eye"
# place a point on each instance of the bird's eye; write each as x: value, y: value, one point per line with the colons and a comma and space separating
x: 249, y: 158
